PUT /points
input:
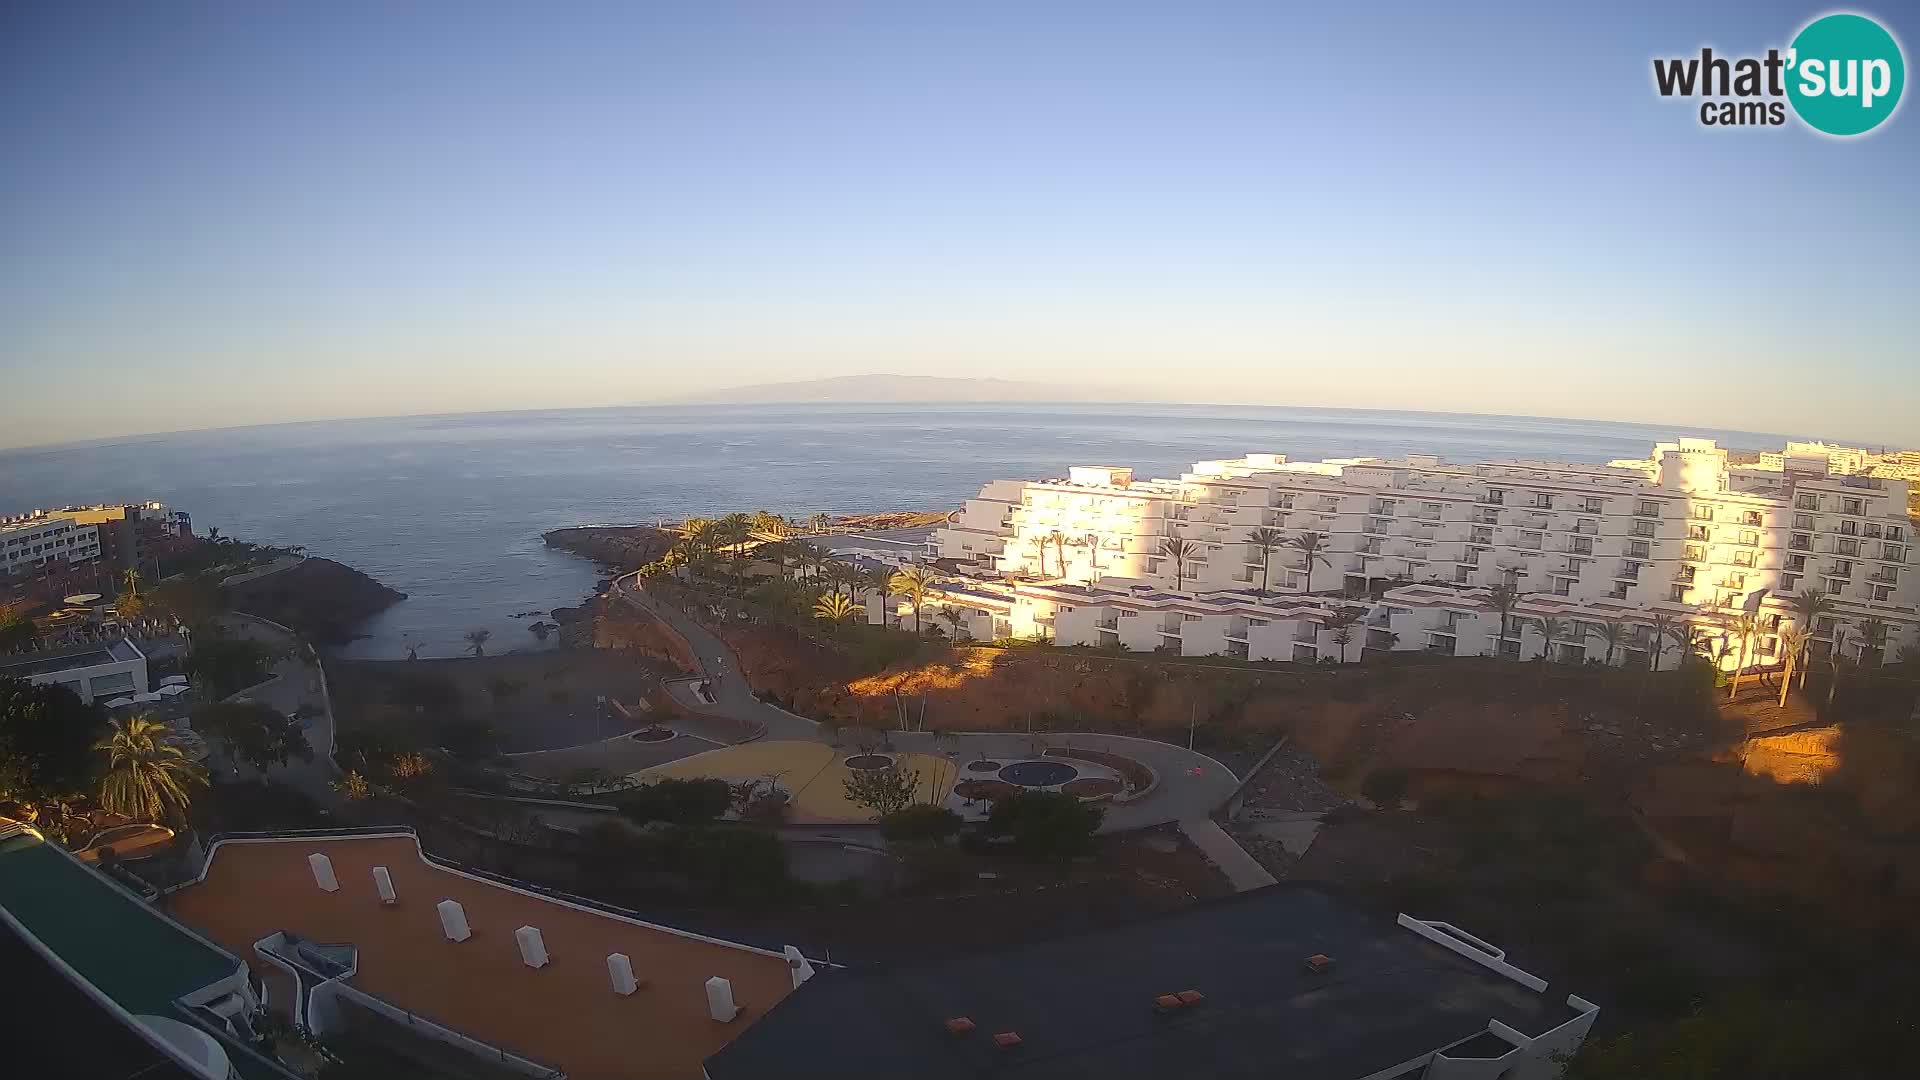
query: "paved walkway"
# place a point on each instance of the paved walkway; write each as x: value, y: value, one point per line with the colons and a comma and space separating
x: 1241, y: 869
x: 1190, y: 784
x: 297, y: 681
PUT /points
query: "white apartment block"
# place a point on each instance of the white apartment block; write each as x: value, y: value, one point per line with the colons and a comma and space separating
x: 29, y: 543
x: 1411, y: 548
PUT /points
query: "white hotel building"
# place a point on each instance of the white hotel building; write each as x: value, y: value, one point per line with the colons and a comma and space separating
x: 28, y: 543
x: 1683, y: 534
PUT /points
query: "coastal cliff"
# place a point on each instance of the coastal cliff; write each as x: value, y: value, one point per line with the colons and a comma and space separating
x: 323, y: 600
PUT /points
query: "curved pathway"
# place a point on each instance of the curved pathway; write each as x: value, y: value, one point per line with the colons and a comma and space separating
x: 1191, y: 784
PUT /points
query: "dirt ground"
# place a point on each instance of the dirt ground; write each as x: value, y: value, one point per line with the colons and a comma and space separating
x: 538, y: 701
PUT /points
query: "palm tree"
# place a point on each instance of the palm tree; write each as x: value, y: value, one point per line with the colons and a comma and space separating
x: 1873, y: 641
x: 1554, y: 630
x: 833, y: 609
x: 477, y: 641
x: 697, y: 534
x: 1742, y: 626
x: 1662, y: 624
x: 1503, y: 598
x: 820, y: 522
x: 916, y: 585
x: 130, y: 580
x: 734, y: 530
x: 1311, y: 545
x: 1179, y: 551
x: 770, y: 526
x: 957, y: 619
x: 1613, y: 632
x: 1809, y: 605
x: 1039, y: 544
x: 838, y: 574
x: 1059, y: 541
x: 1342, y: 622
x: 1793, y: 642
x: 1841, y: 632
x: 1686, y: 636
x: 1266, y: 540
x: 1090, y: 542
x: 147, y: 775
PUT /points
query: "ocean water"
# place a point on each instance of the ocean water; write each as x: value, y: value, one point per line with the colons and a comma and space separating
x: 450, y: 509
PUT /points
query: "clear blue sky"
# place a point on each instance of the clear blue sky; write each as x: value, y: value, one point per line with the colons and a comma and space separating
x: 243, y: 213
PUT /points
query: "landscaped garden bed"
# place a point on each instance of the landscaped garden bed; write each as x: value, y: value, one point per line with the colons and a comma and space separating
x: 987, y: 790
x: 1092, y: 787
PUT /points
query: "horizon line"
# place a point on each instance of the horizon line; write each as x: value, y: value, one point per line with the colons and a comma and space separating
x: 682, y: 404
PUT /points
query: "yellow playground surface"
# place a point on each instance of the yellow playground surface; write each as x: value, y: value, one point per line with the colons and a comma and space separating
x: 811, y: 773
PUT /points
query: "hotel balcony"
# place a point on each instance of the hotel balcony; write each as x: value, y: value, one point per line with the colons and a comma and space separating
x: 1884, y: 577
x: 1306, y: 633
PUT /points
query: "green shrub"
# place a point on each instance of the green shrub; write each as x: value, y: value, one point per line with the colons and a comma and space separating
x: 920, y: 825
x: 682, y: 802
x: 1050, y: 823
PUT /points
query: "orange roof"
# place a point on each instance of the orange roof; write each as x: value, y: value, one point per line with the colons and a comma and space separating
x: 565, y: 1014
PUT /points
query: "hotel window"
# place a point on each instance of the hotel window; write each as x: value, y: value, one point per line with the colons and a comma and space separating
x: 1895, y: 533
x: 1647, y: 508
x: 1639, y: 549
x: 1743, y: 558
x: 1483, y: 536
x: 1852, y: 506
x: 1749, y: 538
x: 1698, y: 532
x: 1847, y: 547
x: 1751, y: 517
x: 1893, y: 552
x: 1581, y: 546
x: 1797, y: 563
x: 1460, y: 574
x: 1497, y: 496
x: 1643, y: 528
x: 1849, y: 528
x: 1562, y: 586
x: 1700, y: 513
x: 1842, y: 568
x: 1807, y: 502
x: 1677, y: 594
x: 1789, y: 582
x: 1882, y: 593
x: 1803, y: 522
x: 1736, y: 581
x: 1530, y: 541
x: 1696, y: 553
x: 1801, y: 542
x: 1329, y: 502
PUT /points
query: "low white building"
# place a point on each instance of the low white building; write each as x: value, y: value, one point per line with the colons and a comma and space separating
x: 1412, y: 548
x: 95, y: 671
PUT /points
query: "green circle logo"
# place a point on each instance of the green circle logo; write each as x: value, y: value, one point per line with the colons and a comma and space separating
x: 1845, y: 74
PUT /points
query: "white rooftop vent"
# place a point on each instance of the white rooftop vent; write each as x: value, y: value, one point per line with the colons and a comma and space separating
x: 533, y: 948
x: 620, y: 974
x: 383, y: 884
x: 453, y: 920
x: 720, y: 1004
x: 322, y: 868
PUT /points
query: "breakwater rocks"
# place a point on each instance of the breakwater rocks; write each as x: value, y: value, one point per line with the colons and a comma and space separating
x: 323, y: 600
x: 618, y: 547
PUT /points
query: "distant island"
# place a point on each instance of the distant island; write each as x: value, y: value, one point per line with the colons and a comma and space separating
x: 901, y: 388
